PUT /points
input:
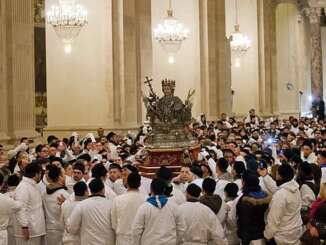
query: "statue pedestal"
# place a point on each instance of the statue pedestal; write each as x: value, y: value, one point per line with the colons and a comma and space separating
x: 172, y: 158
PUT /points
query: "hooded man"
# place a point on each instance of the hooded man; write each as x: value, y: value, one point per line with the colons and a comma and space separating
x: 157, y: 220
x: 202, y: 225
x: 284, y: 222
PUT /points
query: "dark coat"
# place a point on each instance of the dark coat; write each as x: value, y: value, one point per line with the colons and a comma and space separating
x: 251, y: 211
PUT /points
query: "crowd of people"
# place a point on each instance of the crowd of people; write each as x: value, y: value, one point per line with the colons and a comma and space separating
x: 255, y: 181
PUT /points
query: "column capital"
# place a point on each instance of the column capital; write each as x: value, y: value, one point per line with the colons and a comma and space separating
x: 314, y: 14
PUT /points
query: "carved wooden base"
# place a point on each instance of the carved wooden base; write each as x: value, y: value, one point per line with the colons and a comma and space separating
x: 172, y: 158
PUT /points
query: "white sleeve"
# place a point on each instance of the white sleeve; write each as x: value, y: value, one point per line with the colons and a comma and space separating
x: 111, y: 233
x: 22, y: 196
x: 221, y: 215
x: 138, y: 226
x: 75, y: 220
x: 109, y: 193
x: 307, y: 196
x: 232, y: 213
x: 181, y: 226
x: 275, y: 214
x: 269, y: 184
x: 216, y: 231
x: 114, y: 216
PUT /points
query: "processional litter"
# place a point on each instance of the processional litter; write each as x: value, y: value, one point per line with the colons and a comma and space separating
x: 170, y: 142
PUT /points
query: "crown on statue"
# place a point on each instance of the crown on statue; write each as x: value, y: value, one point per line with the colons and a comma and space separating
x: 168, y: 83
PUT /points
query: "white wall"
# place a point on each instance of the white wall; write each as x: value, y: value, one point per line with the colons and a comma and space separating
x: 186, y: 70
x: 323, y: 41
x: 78, y: 84
x: 293, y: 59
x: 244, y: 78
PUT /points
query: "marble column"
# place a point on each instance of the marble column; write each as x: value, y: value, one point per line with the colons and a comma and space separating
x: 19, y: 78
x: 3, y: 83
x: 267, y: 57
x: 316, y: 52
x: 215, y: 65
x: 132, y: 58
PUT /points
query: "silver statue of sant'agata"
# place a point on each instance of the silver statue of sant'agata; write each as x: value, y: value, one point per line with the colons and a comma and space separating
x: 169, y: 117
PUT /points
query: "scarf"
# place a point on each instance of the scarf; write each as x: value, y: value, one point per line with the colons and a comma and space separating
x: 158, y: 201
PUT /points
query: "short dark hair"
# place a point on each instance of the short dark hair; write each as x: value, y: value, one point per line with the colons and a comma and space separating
x: 99, y: 171
x: 115, y: 166
x: 51, y: 138
x: 80, y: 188
x: 134, y: 180
x: 307, y: 143
x: 54, y: 172
x: 164, y: 173
x: 322, y: 154
x: 85, y: 157
x: 39, y: 148
x: 286, y: 172
x: 222, y: 164
x: 209, y: 185
x: 193, y: 190
x: 239, y: 167
x: 23, y: 139
x: 57, y: 159
x: 96, y: 185
x: 79, y: 166
x: 131, y: 168
x: 13, y: 180
x: 158, y: 186
x: 231, y: 189
x: 31, y: 170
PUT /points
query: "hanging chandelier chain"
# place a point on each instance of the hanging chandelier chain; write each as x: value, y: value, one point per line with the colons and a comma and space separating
x: 236, y: 12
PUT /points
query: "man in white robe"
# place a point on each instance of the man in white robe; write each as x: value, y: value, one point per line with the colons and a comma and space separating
x: 55, y: 190
x: 91, y: 218
x: 30, y: 222
x: 157, y: 220
x: 124, y: 209
x: 8, y: 207
x: 202, y: 225
x: 80, y: 194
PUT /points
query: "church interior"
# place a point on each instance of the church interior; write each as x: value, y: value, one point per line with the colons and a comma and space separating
x: 236, y: 55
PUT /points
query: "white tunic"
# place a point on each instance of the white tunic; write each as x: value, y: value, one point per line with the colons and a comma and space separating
x: 7, y: 207
x: 92, y: 219
x: 284, y: 222
x: 66, y: 210
x: 159, y: 226
x: 177, y: 196
x: 31, y: 215
x: 123, y: 212
x: 202, y: 225
x: 109, y: 193
x: 52, y: 211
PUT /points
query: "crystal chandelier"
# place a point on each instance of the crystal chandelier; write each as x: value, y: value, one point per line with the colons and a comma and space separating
x: 239, y: 43
x: 67, y: 19
x: 170, y: 34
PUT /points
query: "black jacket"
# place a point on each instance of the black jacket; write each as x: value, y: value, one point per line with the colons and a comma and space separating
x: 251, y: 210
